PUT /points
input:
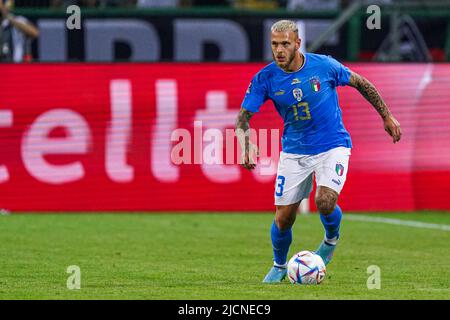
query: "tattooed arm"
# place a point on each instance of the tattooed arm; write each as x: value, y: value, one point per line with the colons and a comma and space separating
x: 370, y: 93
x: 249, y: 150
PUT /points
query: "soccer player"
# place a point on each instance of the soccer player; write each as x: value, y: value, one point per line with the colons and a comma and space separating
x: 315, y: 141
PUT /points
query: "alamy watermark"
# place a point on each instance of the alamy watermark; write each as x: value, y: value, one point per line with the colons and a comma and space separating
x: 74, y: 280
x: 374, y: 279
x: 212, y: 146
x: 374, y: 20
x: 73, y: 22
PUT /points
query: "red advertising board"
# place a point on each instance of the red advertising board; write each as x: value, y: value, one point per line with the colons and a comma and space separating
x: 103, y: 137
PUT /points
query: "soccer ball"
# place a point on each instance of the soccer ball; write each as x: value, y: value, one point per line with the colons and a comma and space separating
x: 306, y: 267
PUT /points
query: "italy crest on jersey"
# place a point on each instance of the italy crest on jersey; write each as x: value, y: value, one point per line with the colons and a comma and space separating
x: 315, y: 83
x: 298, y: 94
x: 339, y: 169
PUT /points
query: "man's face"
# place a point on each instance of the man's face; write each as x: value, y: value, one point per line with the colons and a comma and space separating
x: 8, y: 4
x: 284, y: 46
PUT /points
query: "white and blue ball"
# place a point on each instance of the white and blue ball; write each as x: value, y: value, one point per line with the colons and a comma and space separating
x: 306, y: 267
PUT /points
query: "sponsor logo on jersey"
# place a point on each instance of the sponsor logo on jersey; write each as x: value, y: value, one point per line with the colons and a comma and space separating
x: 315, y: 83
x: 298, y: 94
x: 279, y: 93
x: 295, y: 81
x: 338, y: 182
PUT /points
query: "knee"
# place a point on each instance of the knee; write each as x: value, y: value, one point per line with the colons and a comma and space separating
x: 284, y: 223
x: 285, y: 218
x: 326, y: 202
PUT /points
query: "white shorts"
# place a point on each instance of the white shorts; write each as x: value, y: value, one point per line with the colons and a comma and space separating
x: 295, y: 174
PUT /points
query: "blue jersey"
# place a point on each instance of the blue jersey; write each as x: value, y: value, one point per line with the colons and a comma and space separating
x: 306, y: 100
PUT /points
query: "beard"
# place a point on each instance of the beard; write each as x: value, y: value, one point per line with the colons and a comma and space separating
x: 288, y: 58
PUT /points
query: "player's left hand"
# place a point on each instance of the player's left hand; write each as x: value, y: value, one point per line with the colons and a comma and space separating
x: 392, y: 126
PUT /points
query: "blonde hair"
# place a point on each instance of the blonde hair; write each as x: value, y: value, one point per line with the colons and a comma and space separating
x: 284, y: 25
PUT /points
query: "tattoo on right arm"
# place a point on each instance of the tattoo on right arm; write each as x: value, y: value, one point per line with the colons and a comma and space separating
x: 242, y: 128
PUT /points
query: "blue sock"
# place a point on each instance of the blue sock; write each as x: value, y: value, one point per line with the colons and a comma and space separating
x: 332, y: 222
x: 281, y: 240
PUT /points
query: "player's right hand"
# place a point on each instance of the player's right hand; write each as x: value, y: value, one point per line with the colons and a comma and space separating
x: 250, y: 156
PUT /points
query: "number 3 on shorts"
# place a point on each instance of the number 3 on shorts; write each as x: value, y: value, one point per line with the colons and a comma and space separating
x: 280, y: 185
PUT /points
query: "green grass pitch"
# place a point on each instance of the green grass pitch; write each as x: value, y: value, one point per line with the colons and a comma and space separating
x: 213, y: 256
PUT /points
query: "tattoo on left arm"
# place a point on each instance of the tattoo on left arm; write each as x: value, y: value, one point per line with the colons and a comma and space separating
x: 370, y: 93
